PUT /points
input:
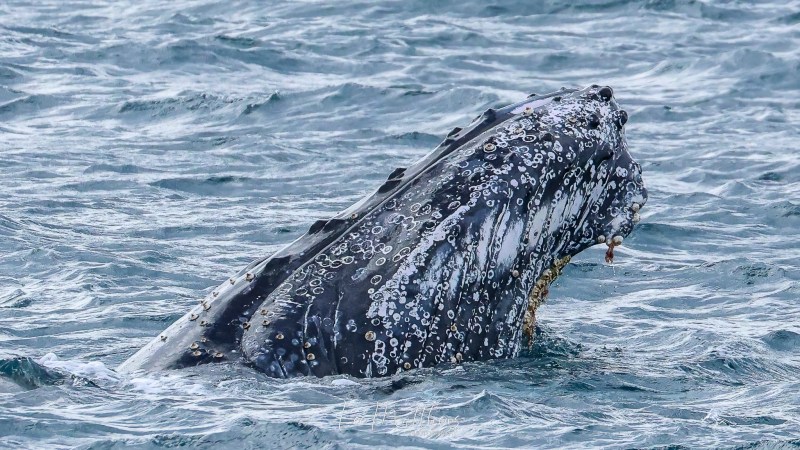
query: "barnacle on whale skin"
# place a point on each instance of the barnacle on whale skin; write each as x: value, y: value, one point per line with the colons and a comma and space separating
x: 538, y: 295
x: 447, y: 260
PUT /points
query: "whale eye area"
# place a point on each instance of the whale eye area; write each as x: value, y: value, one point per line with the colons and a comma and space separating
x: 606, y: 93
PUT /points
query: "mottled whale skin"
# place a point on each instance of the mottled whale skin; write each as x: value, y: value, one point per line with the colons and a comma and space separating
x: 445, y: 262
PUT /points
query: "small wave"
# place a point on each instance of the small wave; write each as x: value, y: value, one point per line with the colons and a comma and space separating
x: 238, y: 41
x: 101, y: 186
x: 9, y: 225
x: 344, y: 382
x: 188, y: 19
x: 787, y: 209
x: 547, y: 344
x: 789, y: 19
x: 738, y: 370
x: 95, y: 371
x: 28, y: 105
x: 197, y: 102
x: 215, y: 185
x: 48, y: 32
x: 395, y: 384
x: 50, y: 370
x: 792, y: 444
x: 771, y: 176
x: 251, y: 108
x: 782, y: 340
x: 751, y: 273
x: 415, y: 138
x: 41, y: 174
x: 353, y: 93
x: 17, y: 298
x: 761, y: 68
x: 188, y: 101
x: 271, y: 434
x: 169, y: 383
x: 7, y: 94
x: 212, y: 50
x: 8, y: 74
x: 174, y: 232
x: 29, y: 374
x: 119, y: 168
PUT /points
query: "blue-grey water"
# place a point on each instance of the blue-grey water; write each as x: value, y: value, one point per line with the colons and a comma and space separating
x: 149, y: 150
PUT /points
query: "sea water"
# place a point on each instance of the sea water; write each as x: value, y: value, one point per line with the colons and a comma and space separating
x: 149, y: 150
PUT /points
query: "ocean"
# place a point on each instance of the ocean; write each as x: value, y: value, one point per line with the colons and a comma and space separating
x: 149, y: 150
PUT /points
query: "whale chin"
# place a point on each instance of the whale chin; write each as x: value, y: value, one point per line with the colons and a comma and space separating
x: 447, y: 261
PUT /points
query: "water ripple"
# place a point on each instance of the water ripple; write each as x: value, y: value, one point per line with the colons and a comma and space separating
x: 151, y: 149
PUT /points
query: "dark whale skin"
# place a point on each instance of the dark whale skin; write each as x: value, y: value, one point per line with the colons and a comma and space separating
x: 446, y: 261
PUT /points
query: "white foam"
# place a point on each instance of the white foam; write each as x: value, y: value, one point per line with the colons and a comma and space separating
x: 171, y: 383
x: 93, y: 370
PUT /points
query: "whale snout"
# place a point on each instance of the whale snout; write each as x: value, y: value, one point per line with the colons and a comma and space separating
x: 622, y: 208
x: 589, y: 182
x: 617, y: 211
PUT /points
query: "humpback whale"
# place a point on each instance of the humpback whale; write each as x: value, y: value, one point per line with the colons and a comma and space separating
x: 447, y: 261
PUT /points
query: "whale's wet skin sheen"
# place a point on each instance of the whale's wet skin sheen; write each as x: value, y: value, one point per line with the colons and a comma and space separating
x: 446, y: 262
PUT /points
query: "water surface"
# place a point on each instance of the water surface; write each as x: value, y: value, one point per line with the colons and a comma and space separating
x: 149, y: 150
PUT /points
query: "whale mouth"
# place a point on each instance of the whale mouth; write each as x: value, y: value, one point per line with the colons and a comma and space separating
x: 619, y: 212
x: 615, y: 177
x: 610, y: 184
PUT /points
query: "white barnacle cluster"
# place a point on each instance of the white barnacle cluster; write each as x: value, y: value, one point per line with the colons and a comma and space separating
x: 450, y: 266
x: 449, y: 259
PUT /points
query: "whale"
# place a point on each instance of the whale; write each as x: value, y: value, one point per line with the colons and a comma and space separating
x: 445, y: 263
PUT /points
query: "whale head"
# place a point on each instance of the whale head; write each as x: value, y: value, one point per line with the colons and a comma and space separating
x: 447, y: 261
x: 576, y: 185
x: 587, y: 188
